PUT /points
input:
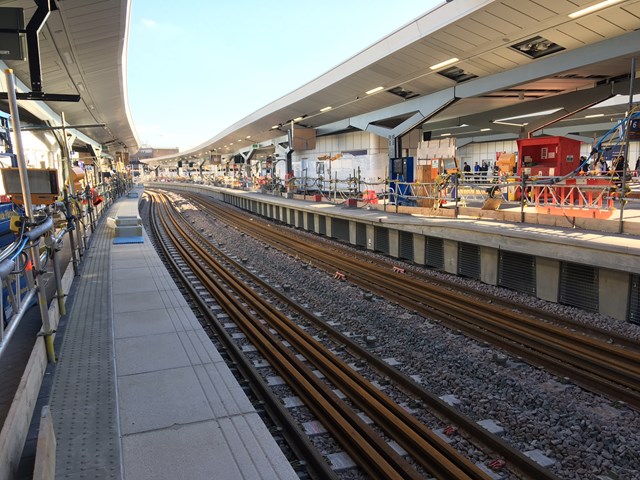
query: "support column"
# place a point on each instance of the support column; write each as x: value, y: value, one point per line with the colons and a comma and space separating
x: 450, y: 256
x: 489, y: 265
x: 613, y: 292
x: 353, y: 233
x: 547, y: 278
x: 371, y: 237
x: 394, y: 243
x: 419, y: 243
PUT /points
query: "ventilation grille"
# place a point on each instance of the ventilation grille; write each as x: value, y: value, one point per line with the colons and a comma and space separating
x: 434, y: 252
x: 579, y: 286
x: 469, y: 260
x: 340, y: 229
x: 361, y: 235
x: 403, y: 93
x: 322, y: 225
x: 405, y: 249
x: 536, y: 47
x: 456, y: 74
x: 634, y: 301
x: 517, y: 271
x: 381, y: 240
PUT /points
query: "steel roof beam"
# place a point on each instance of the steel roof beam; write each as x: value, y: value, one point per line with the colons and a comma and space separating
x: 621, y: 46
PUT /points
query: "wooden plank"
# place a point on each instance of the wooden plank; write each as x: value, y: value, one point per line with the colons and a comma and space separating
x: 16, y: 425
x: 45, y: 465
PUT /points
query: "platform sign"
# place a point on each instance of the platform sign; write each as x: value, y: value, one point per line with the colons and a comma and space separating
x: 634, y: 129
x: 11, y: 42
x: 613, y: 152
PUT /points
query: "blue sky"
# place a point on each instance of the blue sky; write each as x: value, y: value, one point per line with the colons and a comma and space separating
x: 196, y: 67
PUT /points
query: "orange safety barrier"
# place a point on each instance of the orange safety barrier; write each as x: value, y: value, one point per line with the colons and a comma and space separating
x: 370, y: 196
x: 585, y: 198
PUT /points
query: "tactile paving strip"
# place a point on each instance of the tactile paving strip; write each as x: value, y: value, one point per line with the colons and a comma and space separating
x: 83, y: 399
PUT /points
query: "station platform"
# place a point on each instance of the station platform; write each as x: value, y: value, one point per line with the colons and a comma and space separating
x: 139, y: 391
x: 581, y: 262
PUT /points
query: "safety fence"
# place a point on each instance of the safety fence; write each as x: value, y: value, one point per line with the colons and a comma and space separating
x: 38, y: 240
x: 588, y: 196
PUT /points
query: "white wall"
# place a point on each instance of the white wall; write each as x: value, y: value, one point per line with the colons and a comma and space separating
x: 353, y: 153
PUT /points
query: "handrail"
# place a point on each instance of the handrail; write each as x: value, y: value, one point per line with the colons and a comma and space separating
x: 17, y: 274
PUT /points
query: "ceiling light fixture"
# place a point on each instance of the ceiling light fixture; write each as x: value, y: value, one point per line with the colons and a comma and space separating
x: 374, y: 90
x: 509, y: 123
x: 444, y: 64
x: 593, y: 8
x: 529, y: 115
x: 445, y: 134
x: 297, y: 119
x: 325, y: 109
x: 68, y: 59
x: 248, y: 136
x: 485, y: 129
x: 274, y: 127
x: 594, y: 115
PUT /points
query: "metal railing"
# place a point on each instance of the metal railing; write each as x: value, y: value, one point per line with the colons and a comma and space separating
x: 587, y: 193
x: 18, y: 274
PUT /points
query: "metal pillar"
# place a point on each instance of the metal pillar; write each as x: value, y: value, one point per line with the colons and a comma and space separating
x: 626, y: 146
x: 28, y: 210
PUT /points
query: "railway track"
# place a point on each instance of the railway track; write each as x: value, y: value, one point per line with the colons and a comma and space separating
x: 363, y: 444
x: 597, y: 360
x: 310, y: 459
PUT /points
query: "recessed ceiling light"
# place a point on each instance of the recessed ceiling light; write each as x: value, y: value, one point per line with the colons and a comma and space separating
x: 444, y: 64
x: 325, y: 109
x: 593, y: 8
x: 499, y: 122
x: 374, y: 90
x: 68, y: 59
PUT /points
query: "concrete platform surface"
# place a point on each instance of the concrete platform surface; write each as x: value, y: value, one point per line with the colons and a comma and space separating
x: 140, y: 392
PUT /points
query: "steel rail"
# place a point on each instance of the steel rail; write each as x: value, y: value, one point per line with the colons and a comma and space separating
x: 440, y: 303
x: 315, y: 465
x: 427, y: 448
x: 359, y: 440
x: 521, y: 463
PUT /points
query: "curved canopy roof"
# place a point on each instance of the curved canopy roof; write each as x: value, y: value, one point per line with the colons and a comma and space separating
x: 465, y: 68
x: 83, y: 51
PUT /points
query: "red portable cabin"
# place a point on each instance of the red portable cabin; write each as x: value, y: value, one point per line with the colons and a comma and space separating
x: 548, y: 156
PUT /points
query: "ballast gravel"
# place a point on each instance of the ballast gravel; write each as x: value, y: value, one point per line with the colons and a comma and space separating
x: 583, y: 435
